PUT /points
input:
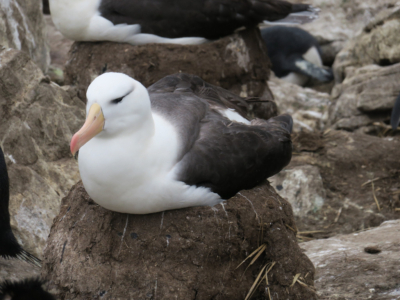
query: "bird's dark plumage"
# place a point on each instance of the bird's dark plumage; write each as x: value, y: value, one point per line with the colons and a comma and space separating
x: 210, y: 19
x: 249, y: 108
x: 218, y: 153
x: 286, y: 47
x: 28, y: 289
x: 395, y: 119
x: 9, y: 247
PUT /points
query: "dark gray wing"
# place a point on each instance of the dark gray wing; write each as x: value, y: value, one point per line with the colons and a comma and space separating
x: 215, y: 152
x: 216, y: 96
x: 228, y: 156
x: 395, y: 119
x: 211, y: 19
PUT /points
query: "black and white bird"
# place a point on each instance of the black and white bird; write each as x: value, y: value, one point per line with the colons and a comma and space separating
x: 27, y: 289
x: 9, y: 247
x: 395, y: 119
x: 165, y: 21
x: 295, y: 55
x: 177, y: 144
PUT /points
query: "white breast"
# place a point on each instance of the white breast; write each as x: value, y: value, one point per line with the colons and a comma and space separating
x: 80, y: 20
x: 72, y: 17
x: 130, y: 177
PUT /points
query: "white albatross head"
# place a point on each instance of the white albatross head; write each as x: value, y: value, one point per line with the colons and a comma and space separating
x: 116, y: 104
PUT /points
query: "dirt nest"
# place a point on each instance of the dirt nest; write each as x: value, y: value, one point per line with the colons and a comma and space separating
x: 181, y: 254
x: 238, y: 62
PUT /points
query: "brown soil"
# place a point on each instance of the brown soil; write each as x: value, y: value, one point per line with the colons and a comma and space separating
x: 238, y: 62
x: 347, y: 161
x: 93, y: 253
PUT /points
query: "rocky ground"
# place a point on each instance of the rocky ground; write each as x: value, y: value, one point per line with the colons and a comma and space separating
x: 344, y: 179
x: 345, y: 175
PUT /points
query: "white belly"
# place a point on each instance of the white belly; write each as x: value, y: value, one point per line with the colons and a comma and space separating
x: 125, y: 176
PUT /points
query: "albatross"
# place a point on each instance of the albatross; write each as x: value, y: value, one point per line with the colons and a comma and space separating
x: 295, y: 55
x: 177, y: 144
x: 168, y: 21
x: 9, y: 247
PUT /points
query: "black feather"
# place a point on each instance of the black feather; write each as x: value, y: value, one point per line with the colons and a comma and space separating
x: 218, y: 153
x: 27, y: 289
x: 211, y: 19
x: 395, y: 119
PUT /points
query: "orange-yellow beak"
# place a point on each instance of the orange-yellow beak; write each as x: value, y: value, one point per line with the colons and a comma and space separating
x: 94, y: 124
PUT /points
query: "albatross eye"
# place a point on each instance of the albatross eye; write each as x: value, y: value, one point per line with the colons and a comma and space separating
x: 118, y: 100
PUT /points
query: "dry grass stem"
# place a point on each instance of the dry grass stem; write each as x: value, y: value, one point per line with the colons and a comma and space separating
x: 370, y: 181
x: 291, y: 228
x: 270, y: 268
x: 338, y: 215
x: 259, y: 279
x: 327, y: 131
x: 263, y: 246
x: 306, y: 285
x: 266, y: 278
x: 376, y: 200
x: 397, y: 209
x: 255, y: 284
x: 295, y: 279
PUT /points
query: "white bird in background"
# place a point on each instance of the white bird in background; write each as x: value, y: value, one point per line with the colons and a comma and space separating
x: 178, y: 22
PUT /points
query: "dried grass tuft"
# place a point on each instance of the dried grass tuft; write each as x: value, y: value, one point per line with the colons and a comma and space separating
x: 258, y: 251
x: 259, y: 279
x: 376, y: 200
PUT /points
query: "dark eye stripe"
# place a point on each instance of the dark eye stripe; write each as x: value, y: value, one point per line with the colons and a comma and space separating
x: 118, y: 100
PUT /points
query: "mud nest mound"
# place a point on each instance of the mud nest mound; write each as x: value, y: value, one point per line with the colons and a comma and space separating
x: 238, y: 62
x: 192, y: 253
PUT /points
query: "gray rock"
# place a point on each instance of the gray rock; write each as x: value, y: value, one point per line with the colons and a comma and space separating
x: 367, y: 95
x: 358, y: 266
x: 308, y: 107
x: 364, y: 50
x: 346, y: 161
x: 340, y: 21
x: 38, y: 119
x: 302, y: 186
x: 22, y: 27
